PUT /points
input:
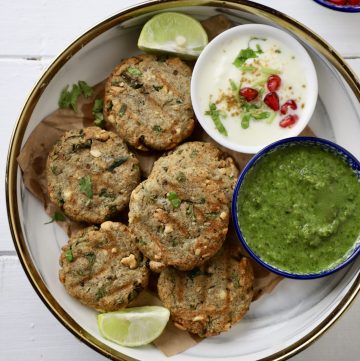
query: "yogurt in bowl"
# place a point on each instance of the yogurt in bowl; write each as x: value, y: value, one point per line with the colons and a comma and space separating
x: 252, y: 85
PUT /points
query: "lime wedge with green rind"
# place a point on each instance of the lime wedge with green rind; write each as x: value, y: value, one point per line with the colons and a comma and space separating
x: 174, y: 34
x: 134, y: 326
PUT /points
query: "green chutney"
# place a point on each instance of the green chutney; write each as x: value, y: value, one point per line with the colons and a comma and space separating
x: 299, y: 208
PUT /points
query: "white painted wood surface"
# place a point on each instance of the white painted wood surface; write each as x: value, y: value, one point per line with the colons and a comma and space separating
x: 32, y: 33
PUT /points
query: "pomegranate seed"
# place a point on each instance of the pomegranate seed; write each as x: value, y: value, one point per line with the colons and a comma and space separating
x: 272, y: 101
x: 288, y: 121
x: 248, y: 93
x: 288, y: 104
x: 354, y: 2
x: 338, y: 2
x: 273, y: 83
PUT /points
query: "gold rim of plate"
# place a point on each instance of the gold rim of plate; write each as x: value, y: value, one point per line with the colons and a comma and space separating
x: 17, y: 137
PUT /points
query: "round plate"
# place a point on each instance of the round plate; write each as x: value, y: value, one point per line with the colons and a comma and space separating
x: 296, y: 312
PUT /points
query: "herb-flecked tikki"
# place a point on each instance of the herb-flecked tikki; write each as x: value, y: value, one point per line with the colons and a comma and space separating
x: 102, y: 267
x: 90, y: 174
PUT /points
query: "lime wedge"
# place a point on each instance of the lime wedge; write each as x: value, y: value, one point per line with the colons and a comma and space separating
x: 173, y: 33
x: 133, y: 326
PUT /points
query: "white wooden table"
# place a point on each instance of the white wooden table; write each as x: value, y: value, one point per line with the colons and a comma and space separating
x: 32, y: 33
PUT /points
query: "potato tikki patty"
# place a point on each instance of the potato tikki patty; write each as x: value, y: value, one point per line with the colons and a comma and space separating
x: 180, y: 214
x: 211, y: 298
x: 91, y: 174
x: 102, y: 267
x: 147, y: 101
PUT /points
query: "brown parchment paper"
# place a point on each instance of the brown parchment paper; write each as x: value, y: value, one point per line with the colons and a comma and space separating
x: 32, y: 161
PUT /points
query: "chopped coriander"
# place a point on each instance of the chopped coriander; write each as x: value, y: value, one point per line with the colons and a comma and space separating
x: 194, y: 153
x: 214, y: 113
x: 180, y: 177
x: 235, y: 89
x: 133, y: 83
x: 245, y: 121
x: 211, y: 215
x: 157, y: 87
x: 69, y: 255
x: 122, y: 110
x: 100, y: 293
x: 85, y: 184
x: 91, y: 257
x: 57, y: 217
x: 134, y: 71
x: 85, y: 89
x: 270, y: 71
x: 117, y: 163
x: 259, y: 116
x: 74, y: 95
x: 244, y: 55
x: 247, y: 68
x: 97, y: 111
x: 65, y: 97
x: 157, y: 128
x: 258, y: 49
x: 173, y: 199
x: 249, y: 106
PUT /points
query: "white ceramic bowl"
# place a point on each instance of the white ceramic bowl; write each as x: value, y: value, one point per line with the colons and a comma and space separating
x: 209, y: 54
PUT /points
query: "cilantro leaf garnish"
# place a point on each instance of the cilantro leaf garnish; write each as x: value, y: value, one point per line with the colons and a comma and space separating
x: 69, y: 255
x: 64, y: 100
x: 85, y: 184
x: 85, y: 89
x: 245, y: 121
x: 116, y: 163
x: 173, y: 199
x: 244, y: 55
x: 97, y: 111
x: 134, y: 71
x: 56, y: 217
x: 214, y: 113
x: 122, y: 110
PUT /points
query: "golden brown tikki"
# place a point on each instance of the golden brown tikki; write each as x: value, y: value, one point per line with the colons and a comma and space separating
x: 147, y: 101
x: 91, y: 173
x: 102, y: 267
x: 211, y: 298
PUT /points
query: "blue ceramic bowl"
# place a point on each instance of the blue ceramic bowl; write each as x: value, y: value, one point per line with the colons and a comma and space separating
x: 345, y: 8
x: 349, y: 158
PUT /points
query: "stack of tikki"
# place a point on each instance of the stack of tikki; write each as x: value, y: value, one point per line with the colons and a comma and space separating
x: 178, y: 216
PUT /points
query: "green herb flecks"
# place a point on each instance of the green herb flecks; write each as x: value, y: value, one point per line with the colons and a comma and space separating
x: 56, y: 217
x: 247, y: 68
x: 65, y: 97
x: 214, y: 113
x: 235, y: 280
x: 83, y: 145
x: 97, y: 112
x: 157, y: 128
x: 173, y: 199
x: 260, y: 116
x: 85, y: 184
x: 180, y: 177
x: 270, y: 71
x: 243, y: 56
x: 106, y: 194
x: 245, y: 121
x: 212, y: 215
x: 190, y: 212
x: 91, y: 258
x: 134, y: 71
x: 235, y: 88
x: 69, y: 255
x: 100, y: 293
x: 85, y: 89
x: 117, y: 163
x: 256, y: 38
x: 157, y: 87
x: 122, y: 110
x: 133, y: 83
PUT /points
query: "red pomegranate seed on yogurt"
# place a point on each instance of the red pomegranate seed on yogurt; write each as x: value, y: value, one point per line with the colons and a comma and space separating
x: 288, y: 121
x: 248, y: 93
x: 288, y: 104
x: 273, y: 83
x: 272, y: 101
